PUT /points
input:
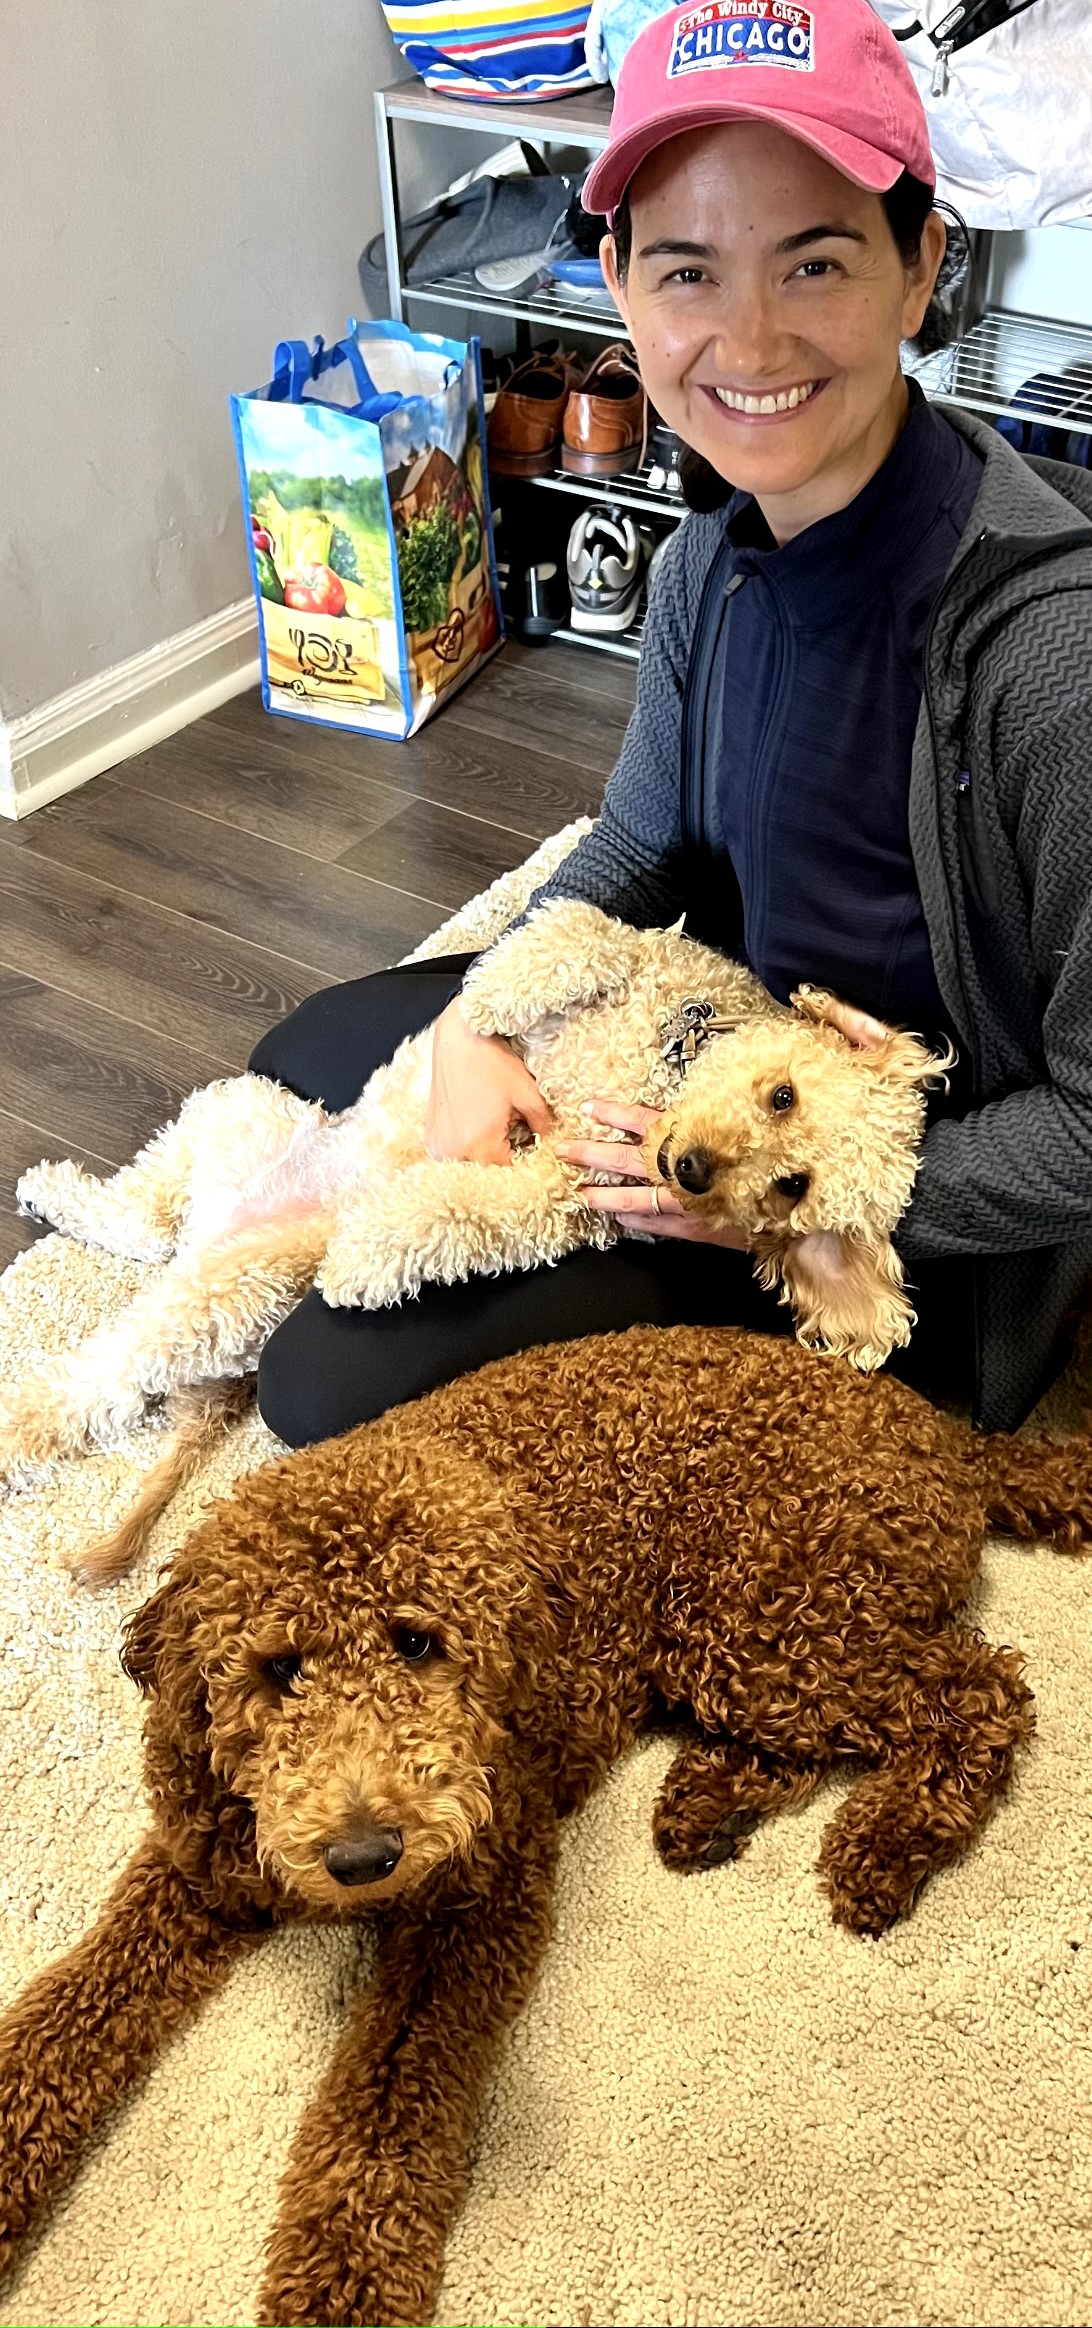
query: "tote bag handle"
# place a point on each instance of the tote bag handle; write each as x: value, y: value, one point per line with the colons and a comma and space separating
x: 296, y: 367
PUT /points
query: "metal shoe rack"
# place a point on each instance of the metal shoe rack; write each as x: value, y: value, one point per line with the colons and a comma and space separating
x: 982, y: 372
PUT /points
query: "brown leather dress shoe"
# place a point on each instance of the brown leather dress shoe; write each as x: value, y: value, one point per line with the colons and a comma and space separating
x: 605, y: 418
x: 525, y: 424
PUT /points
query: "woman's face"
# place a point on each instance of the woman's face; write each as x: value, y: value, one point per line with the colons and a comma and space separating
x: 766, y: 300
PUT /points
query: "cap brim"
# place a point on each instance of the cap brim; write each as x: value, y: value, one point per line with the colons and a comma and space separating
x: 608, y: 178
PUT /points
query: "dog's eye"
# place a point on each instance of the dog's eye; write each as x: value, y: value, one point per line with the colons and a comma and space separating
x: 782, y: 1099
x: 793, y: 1184
x: 283, y: 1671
x: 415, y: 1646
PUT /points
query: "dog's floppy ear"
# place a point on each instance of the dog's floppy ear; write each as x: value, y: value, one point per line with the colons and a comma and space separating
x: 208, y: 1831
x: 144, y: 1637
x: 846, y: 1294
x: 889, y: 1052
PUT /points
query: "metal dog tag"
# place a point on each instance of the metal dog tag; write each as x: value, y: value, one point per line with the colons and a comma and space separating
x: 686, y: 1031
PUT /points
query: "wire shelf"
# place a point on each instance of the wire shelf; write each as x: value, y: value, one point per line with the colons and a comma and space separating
x: 630, y: 490
x: 626, y: 643
x: 1047, y: 365
x: 549, y: 305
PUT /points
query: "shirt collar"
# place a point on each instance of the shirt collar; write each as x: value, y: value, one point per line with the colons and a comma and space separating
x: 822, y: 572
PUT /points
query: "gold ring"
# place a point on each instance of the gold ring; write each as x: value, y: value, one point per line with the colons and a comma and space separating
x: 655, y: 1198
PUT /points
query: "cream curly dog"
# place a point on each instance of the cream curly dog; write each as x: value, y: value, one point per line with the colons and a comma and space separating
x: 775, y: 1125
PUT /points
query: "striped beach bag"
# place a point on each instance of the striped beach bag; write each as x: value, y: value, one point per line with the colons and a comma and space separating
x: 526, y: 49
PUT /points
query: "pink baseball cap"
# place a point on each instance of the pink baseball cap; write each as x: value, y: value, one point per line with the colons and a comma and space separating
x: 826, y: 71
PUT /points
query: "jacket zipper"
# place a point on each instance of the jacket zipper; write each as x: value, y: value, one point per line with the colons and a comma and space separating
x: 967, y: 1027
x: 711, y: 615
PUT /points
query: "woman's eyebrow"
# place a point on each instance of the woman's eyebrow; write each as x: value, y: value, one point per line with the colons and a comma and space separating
x: 796, y: 242
x: 670, y: 249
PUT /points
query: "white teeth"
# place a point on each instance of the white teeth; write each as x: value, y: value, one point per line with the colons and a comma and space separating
x: 786, y: 399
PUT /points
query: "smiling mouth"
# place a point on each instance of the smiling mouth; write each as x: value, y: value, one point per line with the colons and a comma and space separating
x: 776, y: 404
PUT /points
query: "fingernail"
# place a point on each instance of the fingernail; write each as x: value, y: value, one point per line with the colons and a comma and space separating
x: 587, y: 1107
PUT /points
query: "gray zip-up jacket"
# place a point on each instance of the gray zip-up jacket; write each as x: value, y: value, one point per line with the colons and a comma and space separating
x: 1001, y: 830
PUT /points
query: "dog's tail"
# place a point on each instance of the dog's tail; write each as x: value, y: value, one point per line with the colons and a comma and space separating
x: 1040, y: 1488
x: 198, y: 1417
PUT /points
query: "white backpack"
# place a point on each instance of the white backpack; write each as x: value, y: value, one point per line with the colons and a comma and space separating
x: 1007, y: 91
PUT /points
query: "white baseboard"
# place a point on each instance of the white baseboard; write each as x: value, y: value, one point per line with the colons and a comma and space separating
x: 127, y: 709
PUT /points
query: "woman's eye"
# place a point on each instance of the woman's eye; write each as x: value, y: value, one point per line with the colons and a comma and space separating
x: 782, y: 1098
x: 415, y: 1647
x: 283, y: 1671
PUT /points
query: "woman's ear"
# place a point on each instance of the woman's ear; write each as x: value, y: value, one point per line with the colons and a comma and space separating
x: 608, y: 260
x: 921, y: 275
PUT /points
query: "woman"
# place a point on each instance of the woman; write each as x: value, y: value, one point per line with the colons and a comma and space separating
x: 859, y: 750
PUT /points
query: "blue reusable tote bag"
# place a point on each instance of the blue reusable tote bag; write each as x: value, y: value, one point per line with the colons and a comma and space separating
x: 370, y: 540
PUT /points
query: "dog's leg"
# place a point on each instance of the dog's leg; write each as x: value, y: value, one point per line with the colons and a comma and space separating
x: 136, y: 1213
x: 222, y: 1136
x: 567, y: 954
x: 714, y: 1796
x: 207, y: 1316
x: 442, y: 1223
x: 378, y: 2167
x: 946, y: 1712
x: 87, y: 2029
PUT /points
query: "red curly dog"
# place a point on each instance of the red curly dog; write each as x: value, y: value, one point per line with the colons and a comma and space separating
x: 379, y: 1674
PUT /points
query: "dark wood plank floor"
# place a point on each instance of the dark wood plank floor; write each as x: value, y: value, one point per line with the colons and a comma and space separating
x: 155, y: 922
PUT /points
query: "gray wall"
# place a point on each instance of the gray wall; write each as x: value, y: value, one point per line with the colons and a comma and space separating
x: 184, y: 183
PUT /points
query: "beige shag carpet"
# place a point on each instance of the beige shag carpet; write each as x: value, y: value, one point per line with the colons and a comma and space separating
x: 717, y: 2108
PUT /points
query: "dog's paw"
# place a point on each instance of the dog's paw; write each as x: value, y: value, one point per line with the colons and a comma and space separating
x: 730, y: 1838
x: 364, y: 1281
x: 37, y: 1189
x: 868, y: 1902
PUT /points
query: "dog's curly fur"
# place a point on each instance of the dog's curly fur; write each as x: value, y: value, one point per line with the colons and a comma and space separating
x: 806, y: 1145
x: 403, y: 1655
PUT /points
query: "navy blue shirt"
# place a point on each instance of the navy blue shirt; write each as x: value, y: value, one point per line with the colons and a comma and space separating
x: 817, y: 702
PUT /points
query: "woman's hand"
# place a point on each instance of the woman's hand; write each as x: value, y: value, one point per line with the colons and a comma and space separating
x: 665, y: 1218
x: 479, y: 1092
x: 864, y: 1032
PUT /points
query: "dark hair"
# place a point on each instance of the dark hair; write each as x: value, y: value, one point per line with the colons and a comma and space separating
x: 907, y: 205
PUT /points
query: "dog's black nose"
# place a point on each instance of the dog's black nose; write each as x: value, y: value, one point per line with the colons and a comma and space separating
x: 694, y: 1170
x: 367, y: 1858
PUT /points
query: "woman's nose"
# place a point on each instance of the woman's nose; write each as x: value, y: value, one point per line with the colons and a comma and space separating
x: 750, y: 346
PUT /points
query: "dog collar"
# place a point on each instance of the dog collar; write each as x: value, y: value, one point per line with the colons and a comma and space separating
x: 693, y: 1023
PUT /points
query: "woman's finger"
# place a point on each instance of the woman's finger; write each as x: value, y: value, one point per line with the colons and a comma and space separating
x: 633, y: 1201
x: 603, y: 1156
x: 858, y: 1026
x: 635, y: 1120
x: 668, y: 1218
